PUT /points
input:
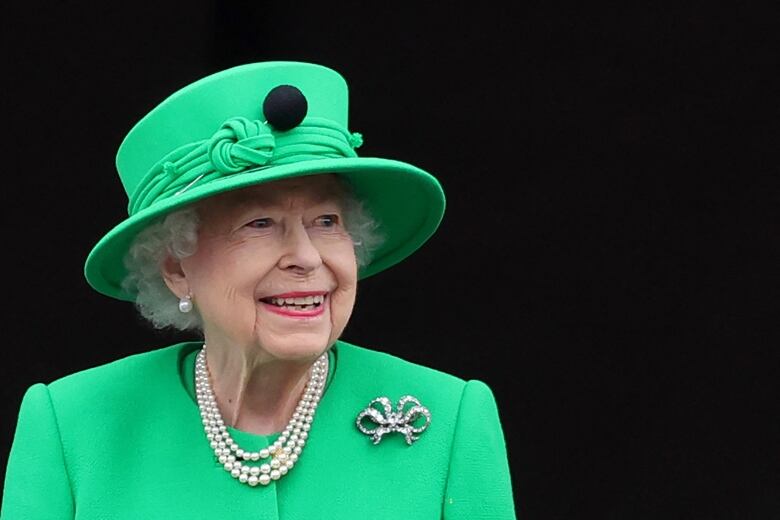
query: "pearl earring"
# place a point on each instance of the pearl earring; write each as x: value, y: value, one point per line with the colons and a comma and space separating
x: 185, y: 303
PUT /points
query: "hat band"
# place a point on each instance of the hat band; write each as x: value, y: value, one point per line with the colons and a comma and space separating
x: 240, y: 145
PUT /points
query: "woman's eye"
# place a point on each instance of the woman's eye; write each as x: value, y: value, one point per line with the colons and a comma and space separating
x: 327, y: 220
x: 260, y: 223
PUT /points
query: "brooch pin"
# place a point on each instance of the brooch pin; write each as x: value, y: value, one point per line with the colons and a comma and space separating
x: 388, y: 421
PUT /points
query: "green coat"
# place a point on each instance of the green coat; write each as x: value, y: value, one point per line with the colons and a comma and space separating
x: 125, y: 440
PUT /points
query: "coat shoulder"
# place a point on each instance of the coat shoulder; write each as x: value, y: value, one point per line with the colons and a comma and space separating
x: 373, y: 368
x: 128, y: 377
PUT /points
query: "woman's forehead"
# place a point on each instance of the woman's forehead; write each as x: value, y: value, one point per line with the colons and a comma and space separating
x: 313, y: 188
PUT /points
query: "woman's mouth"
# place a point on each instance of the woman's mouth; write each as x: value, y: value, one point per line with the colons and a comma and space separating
x: 296, y: 304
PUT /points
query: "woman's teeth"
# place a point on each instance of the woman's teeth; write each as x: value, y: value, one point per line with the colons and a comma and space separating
x: 302, y: 303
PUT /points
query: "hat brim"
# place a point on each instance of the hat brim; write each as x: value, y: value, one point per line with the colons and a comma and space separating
x: 407, y: 202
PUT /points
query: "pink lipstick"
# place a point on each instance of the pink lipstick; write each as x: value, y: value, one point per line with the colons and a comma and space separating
x: 297, y: 304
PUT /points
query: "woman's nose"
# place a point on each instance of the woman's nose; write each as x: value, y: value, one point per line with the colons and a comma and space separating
x: 300, y: 254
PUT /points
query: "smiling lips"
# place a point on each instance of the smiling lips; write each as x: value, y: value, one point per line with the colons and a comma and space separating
x: 296, y: 304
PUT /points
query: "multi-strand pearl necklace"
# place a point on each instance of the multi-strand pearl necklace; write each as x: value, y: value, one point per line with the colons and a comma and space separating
x: 284, y: 452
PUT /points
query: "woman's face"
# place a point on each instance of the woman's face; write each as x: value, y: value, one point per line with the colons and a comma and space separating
x: 275, y: 269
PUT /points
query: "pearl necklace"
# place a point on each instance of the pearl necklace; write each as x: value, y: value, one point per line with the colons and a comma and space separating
x: 284, y: 452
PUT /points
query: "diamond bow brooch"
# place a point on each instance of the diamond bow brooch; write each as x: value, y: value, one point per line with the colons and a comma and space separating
x: 380, y: 412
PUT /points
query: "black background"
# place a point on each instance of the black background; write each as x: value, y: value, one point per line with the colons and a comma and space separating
x: 607, y: 263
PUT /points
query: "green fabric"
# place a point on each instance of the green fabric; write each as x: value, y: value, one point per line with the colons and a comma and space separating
x: 237, y: 145
x: 124, y: 440
x: 210, y: 137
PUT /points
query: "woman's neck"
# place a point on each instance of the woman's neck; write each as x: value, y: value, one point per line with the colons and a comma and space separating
x: 255, y: 394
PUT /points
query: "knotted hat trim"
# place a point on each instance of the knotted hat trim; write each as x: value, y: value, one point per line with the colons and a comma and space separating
x: 238, y: 145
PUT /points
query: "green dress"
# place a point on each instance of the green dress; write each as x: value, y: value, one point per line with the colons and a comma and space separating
x: 124, y: 440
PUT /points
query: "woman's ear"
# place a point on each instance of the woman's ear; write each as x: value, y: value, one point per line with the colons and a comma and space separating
x: 174, y: 276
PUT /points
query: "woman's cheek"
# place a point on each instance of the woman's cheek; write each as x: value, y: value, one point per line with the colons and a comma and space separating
x: 237, y: 311
x: 342, y: 303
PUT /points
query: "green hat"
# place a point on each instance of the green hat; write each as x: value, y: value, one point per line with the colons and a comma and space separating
x: 248, y: 125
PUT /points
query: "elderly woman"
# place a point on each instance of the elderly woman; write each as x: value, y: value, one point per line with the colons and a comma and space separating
x: 251, y: 219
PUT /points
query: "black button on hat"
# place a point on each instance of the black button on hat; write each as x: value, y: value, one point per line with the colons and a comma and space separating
x: 285, y: 107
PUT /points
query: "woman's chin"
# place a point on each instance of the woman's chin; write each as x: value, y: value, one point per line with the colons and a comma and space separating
x: 293, y: 334
x: 295, y: 346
